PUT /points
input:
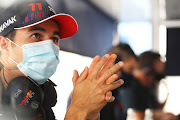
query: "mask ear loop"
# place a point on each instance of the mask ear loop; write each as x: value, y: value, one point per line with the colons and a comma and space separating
x: 13, y: 60
x: 10, y: 57
x: 13, y: 42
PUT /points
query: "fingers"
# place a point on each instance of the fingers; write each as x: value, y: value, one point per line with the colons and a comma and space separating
x: 114, y: 85
x: 108, y: 64
x: 83, y: 75
x: 111, y: 79
x: 94, y: 62
x: 75, y: 77
x: 99, y: 65
x: 109, y: 97
x: 111, y: 71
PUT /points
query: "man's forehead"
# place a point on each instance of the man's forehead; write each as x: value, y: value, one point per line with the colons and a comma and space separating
x: 43, y: 26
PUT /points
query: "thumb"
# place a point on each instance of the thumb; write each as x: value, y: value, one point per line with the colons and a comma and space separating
x: 109, y: 97
x: 83, y: 75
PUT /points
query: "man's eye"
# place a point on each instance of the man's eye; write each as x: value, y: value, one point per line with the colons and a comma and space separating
x: 36, y: 35
x: 55, y: 40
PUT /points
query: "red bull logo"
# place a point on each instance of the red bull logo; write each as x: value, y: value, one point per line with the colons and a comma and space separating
x: 27, y: 97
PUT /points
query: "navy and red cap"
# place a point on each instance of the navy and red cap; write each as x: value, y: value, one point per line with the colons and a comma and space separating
x: 27, y: 13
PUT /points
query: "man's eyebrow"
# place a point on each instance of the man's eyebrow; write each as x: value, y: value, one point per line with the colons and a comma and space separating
x: 37, y: 28
x: 43, y: 30
x: 57, y: 33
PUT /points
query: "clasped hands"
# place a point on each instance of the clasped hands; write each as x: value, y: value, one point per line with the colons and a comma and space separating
x: 92, y: 88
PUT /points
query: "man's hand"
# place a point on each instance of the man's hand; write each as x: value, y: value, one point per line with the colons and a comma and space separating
x: 89, y: 95
x: 76, y: 78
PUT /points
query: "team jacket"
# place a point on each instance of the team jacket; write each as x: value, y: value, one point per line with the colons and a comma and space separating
x: 24, y: 99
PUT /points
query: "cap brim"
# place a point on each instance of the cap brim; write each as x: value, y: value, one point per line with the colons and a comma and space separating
x: 68, y: 25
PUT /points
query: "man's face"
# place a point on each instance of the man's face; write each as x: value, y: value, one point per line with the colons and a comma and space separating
x: 41, y: 32
x: 159, y: 66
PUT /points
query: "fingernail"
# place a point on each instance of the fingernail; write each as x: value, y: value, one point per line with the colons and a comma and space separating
x: 121, y: 63
x: 85, y: 68
x: 107, y: 55
x: 122, y: 82
x: 115, y: 76
x: 110, y: 98
x: 113, y: 98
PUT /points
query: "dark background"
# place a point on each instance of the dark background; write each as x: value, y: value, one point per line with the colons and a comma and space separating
x: 173, y: 51
x: 173, y: 38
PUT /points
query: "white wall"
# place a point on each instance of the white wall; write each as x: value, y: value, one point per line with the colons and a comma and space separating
x: 173, y: 103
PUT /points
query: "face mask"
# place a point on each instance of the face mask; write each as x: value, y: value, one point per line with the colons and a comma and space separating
x: 40, y: 60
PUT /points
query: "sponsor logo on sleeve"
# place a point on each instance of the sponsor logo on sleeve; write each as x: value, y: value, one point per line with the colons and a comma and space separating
x: 27, y: 98
x: 16, y: 95
x: 34, y: 105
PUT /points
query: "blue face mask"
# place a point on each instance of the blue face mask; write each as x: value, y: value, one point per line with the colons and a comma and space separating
x: 40, y: 60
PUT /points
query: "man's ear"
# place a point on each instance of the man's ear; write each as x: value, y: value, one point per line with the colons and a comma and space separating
x: 3, y: 45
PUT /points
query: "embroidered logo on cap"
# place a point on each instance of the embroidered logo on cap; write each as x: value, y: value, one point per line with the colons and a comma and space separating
x: 6, y: 24
x: 38, y: 11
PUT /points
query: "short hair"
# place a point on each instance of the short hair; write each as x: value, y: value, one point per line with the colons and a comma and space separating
x: 127, y: 49
x: 146, y: 59
x: 11, y: 34
x: 123, y: 52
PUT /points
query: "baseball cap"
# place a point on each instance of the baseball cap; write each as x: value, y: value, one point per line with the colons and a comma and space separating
x: 27, y: 13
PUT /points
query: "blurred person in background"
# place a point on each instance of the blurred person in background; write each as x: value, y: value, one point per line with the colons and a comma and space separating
x: 124, y: 53
x: 30, y: 32
x: 141, y: 93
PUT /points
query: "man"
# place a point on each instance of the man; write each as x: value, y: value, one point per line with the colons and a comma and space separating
x: 141, y: 92
x: 29, y: 36
x: 126, y: 54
